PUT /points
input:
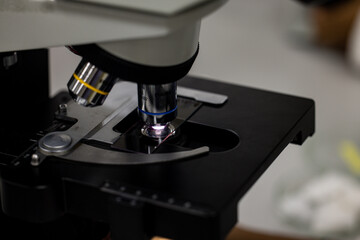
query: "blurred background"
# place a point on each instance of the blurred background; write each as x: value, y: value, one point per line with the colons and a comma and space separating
x: 278, y: 45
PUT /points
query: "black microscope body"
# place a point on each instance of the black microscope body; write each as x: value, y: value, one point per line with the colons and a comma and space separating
x: 191, y: 196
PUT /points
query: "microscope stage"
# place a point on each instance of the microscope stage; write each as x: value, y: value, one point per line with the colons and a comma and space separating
x: 191, y: 198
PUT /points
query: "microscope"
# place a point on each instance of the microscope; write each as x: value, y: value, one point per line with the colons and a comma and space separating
x: 135, y: 149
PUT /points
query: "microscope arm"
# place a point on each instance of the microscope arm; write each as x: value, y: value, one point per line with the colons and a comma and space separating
x: 48, y: 23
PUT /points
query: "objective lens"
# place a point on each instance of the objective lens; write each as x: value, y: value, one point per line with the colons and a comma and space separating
x: 158, y: 131
x: 89, y: 85
x: 157, y: 103
x: 157, y: 108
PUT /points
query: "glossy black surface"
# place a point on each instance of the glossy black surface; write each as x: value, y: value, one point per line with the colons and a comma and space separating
x: 191, y: 199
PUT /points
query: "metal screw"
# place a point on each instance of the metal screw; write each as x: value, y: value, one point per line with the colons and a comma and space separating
x: 63, y: 108
x: 35, y: 159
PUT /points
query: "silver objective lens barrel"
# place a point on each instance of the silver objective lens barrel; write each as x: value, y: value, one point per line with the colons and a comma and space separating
x: 157, y: 108
x: 89, y: 85
x: 157, y: 103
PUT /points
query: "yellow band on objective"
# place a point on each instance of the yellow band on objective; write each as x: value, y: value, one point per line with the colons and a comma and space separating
x: 89, y: 86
